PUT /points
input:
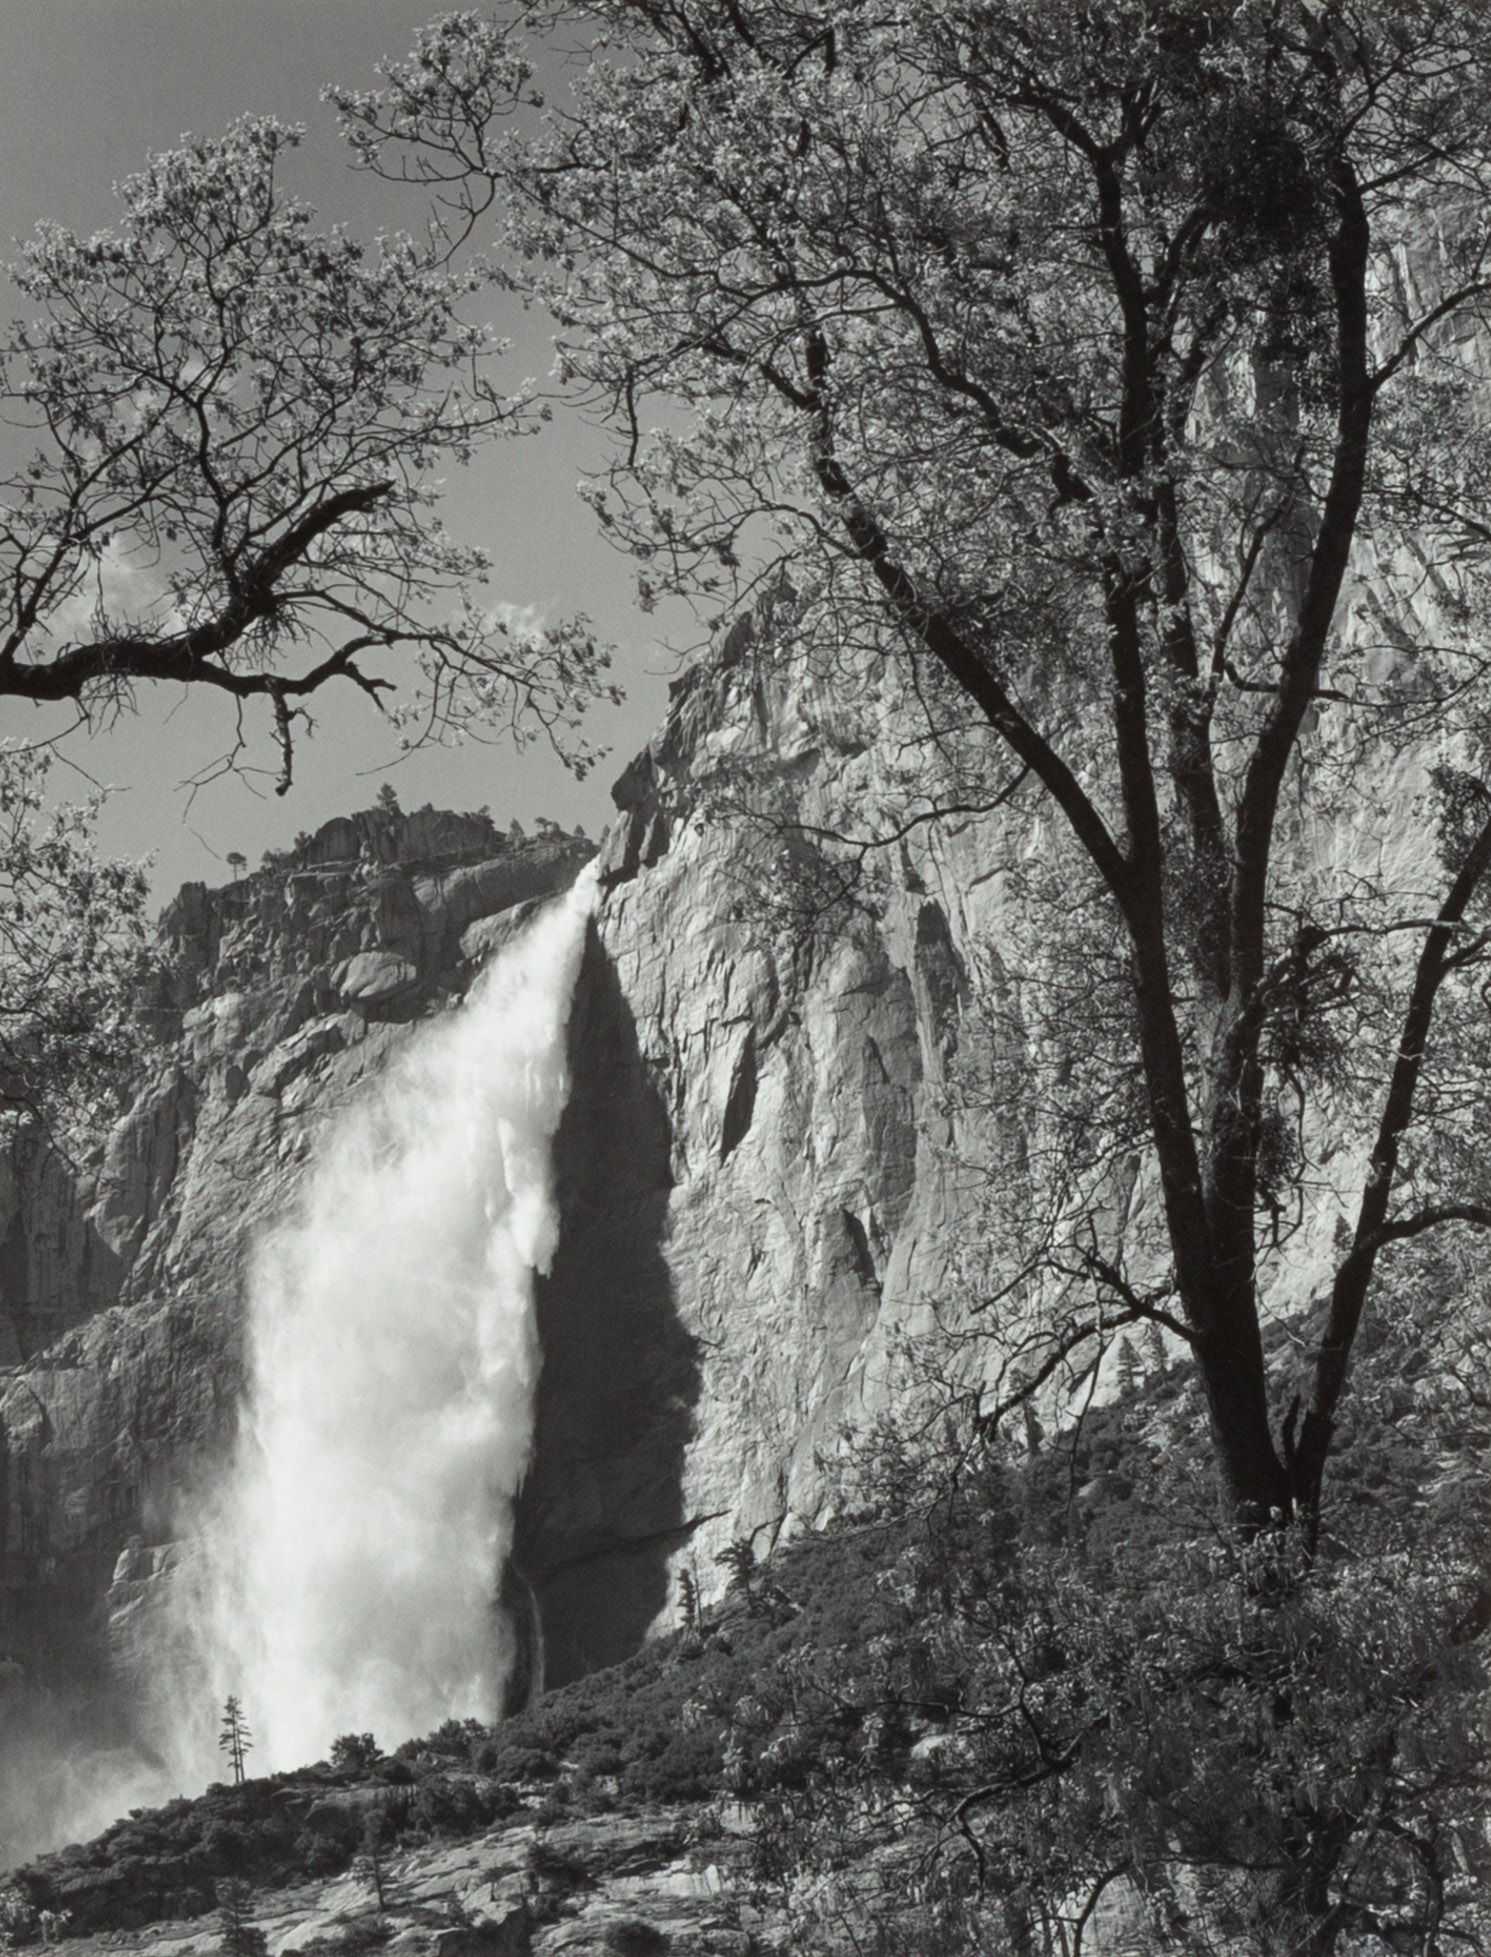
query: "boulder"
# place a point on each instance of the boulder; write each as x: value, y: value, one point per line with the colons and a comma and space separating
x: 510, y: 1935
x: 373, y: 977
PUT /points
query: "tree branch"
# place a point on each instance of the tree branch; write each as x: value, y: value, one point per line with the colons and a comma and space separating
x: 951, y: 651
x: 1373, y: 1230
x: 189, y: 656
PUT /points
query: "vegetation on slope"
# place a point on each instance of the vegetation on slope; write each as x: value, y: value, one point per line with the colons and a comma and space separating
x: 1002, y: 1692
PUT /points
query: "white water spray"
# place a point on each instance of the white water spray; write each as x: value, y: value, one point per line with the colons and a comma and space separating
x: 352, y: 1563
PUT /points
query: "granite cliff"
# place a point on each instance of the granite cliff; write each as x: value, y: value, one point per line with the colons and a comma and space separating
x: 756, y: 1200
x: 750, y: 1198
x: 122, y: 1288
x: 761, y: 1169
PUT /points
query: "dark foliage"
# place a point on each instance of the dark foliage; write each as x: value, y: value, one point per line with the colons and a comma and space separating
x: 283, y: 1828
x: 355, y: 1753
x: 241, y: 1935
x: 1082, y: 1690
x: 1004, y: 1682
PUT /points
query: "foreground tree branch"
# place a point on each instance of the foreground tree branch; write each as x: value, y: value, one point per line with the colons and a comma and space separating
x: 225, y: 430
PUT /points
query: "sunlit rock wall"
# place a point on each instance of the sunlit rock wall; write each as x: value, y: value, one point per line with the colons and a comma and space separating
x: 121, y: 1279
x: 769, y: 1169
x: 761, y: 1199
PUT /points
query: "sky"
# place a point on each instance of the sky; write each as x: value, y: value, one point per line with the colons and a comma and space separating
x: 88, y: 89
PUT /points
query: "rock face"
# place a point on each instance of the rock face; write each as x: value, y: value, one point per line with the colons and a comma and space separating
x: 755, y: 1202
x: 755, y: 1193
x: 765, y: 1174
x: 789, y: 1054
x: 751, y: 1193
x: 121, y: 1281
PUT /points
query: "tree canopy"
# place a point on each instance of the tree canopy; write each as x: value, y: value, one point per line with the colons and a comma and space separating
x: 223, y: 425
x: 73, y: 956
x: 1115, y: 371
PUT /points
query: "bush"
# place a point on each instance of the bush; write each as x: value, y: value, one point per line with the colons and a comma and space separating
x: 355, y: 1753
x: 459, y: 1739
x: 456, y: 1804
x: 18, y: 1921
x: 319, y: 1855
x: 635, y: 1938
x: 1274, y: 1745
x: 688, y: 1768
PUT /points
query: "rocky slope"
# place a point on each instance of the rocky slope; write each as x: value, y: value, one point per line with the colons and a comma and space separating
x: 637, y: 1885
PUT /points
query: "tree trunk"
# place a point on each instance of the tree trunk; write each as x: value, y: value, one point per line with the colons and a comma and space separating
x: 1230, y: 1359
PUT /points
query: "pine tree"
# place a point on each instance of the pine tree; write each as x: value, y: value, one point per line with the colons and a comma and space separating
x: 739, y: 1558
x: 1155, y: 1359
x: 688, y: 1600
x: 369, y: 1864
x: 241, y: 1936
x: 235, y: 1739
x: 1128, y: 1365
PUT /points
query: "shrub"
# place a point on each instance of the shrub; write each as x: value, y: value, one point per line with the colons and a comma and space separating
x: 635, y: 1938
x: 319, y: 1855
x: 687, y: 1768
x: 241, y: 1936
x: 459, y: 1739
x: 1274, y: 1744
x: 457, y: 1803
x: 528, y: 1762
x: 355, y: 1753
x: 18, y: 1921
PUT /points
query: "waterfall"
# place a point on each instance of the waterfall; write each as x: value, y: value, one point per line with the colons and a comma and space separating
x: 346, y: 1574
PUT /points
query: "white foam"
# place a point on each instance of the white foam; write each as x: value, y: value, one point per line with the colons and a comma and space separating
x: 346, y: 1576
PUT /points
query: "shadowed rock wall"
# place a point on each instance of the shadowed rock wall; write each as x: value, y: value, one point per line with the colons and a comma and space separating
x: 602, y: 1508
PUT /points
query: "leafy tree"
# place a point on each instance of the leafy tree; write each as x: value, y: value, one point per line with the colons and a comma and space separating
x: 355, y: 1753
x: 1099, y: 1701
x: 72, y: 955
x: 1268, y: 1771
x: 227, y: 427
x: 1076, y: 364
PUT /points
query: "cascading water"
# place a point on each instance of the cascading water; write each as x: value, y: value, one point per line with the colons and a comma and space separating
x: 346, y: 1576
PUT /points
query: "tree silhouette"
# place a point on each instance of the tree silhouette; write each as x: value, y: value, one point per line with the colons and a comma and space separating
x: 229, y: 425
x: 235, y: 1739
